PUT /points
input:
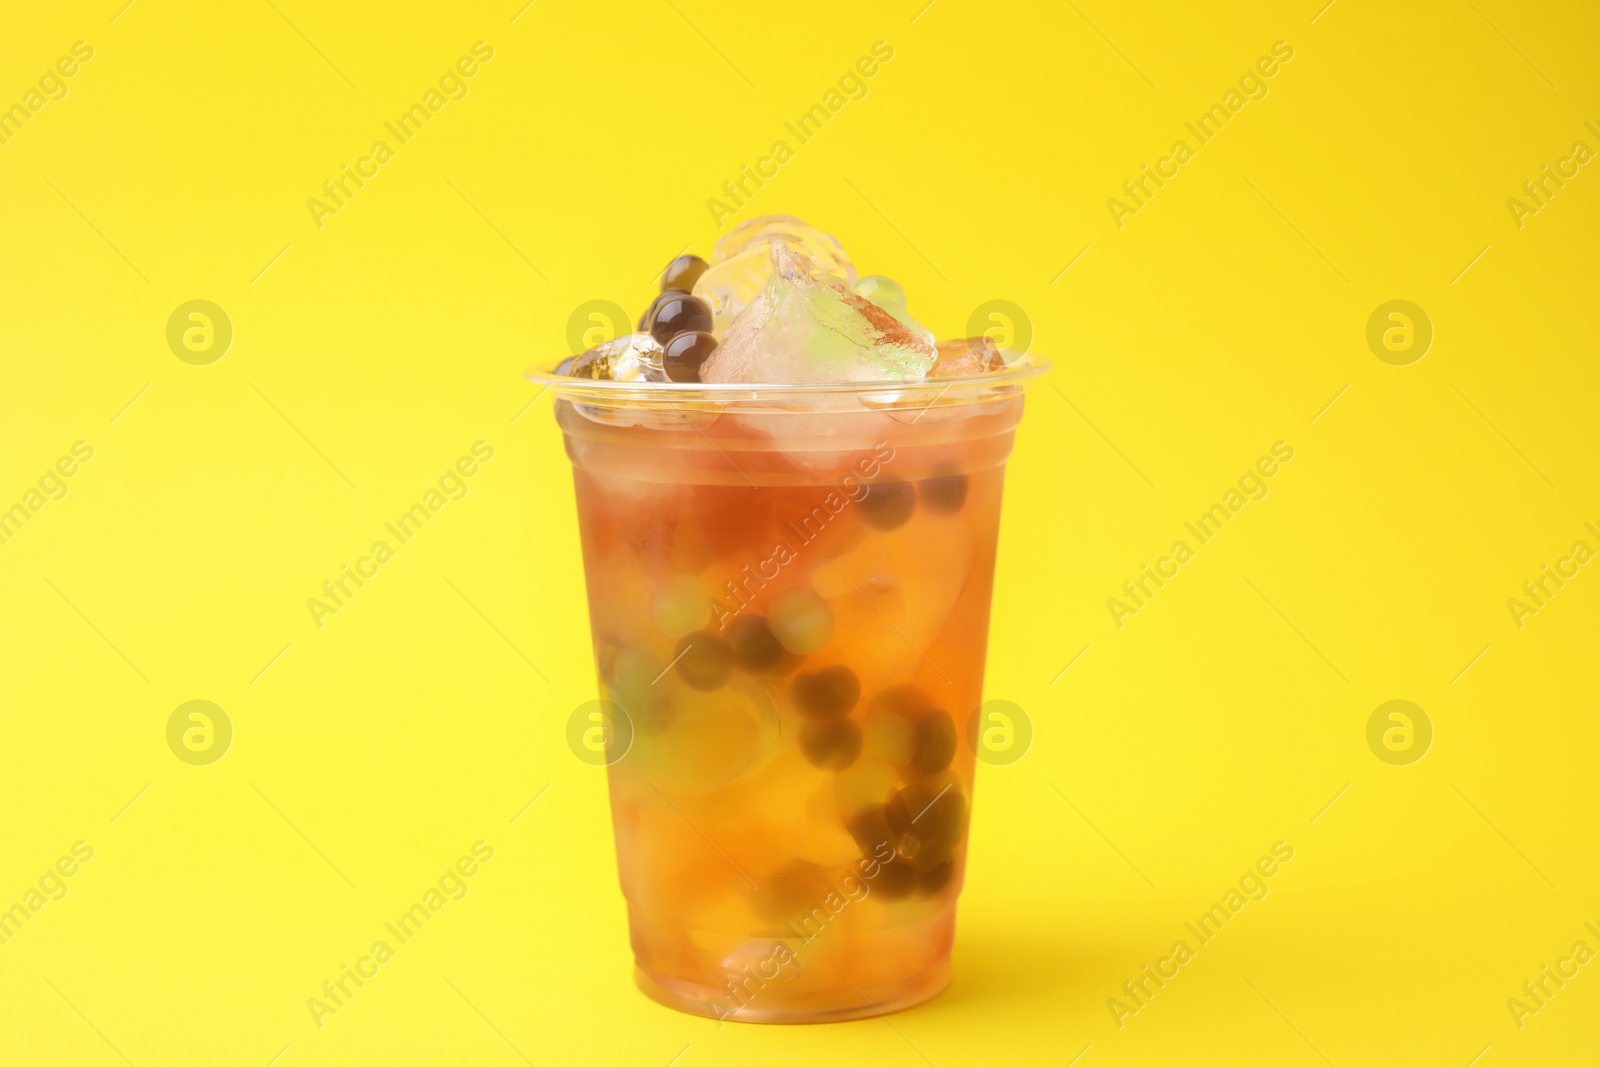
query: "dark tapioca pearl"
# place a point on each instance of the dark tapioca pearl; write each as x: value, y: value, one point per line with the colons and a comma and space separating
x: 937, y: 818
x: 908, y: 700
x: 895, y: 880
x: 831, y: 744
x: 676, y: 313
x: 790, y: 891
x: 683, y: 272
x: 644, y: 320
x: 685, y: 353
x: 830, y: 691
x: 888, y: 504
x: 753, y: 645
x: 941, y: 840
x: 945, y: 492
x: 704, y: 661
x: 871, y: 830
x: 907, y: 805
x: 936, y: 743
x: 933, y: 880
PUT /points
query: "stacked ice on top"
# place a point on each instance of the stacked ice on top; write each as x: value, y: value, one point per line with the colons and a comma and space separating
x: 779, y: 303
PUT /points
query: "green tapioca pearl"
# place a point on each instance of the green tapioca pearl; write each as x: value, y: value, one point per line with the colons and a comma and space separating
x: 889, y: 737
x: 831, y: 744
x: 753, y: 644
x: 703, y: 661
x: 801, y: 621
x: 681, y: 606
x: 881, y: 290
x: 631, y: 683
x: 866, y: 783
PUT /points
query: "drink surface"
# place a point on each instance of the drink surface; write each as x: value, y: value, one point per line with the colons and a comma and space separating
x: 790, y: 609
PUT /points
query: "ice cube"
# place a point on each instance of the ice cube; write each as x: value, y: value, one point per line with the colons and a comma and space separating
x: 633, y: 357
x: 820, y: 247
x: 801, y: 330
x: 741, y: 264
x: 966, y: 357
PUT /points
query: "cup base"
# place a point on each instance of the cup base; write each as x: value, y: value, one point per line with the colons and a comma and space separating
x: 866, y: 1002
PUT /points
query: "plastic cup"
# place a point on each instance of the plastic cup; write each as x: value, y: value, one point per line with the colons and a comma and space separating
x: 789, y: 594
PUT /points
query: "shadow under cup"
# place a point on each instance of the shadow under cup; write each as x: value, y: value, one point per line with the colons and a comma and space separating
x: 789, y: 596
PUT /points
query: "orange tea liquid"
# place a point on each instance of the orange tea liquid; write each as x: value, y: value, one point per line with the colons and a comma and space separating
x: 790, y: 610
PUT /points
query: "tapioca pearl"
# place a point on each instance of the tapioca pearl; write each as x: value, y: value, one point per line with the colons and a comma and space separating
x: 895, y: 880
x: 830, y: 691
x: 676, y: 313
x: 790, y: 891
x: 830, y: 744
x: 945, y: 492
x: 881, y: 291
x: 683, y: 356
x: 683, y: 272
x: 631, y: 670
x: 704, y: 661
x: 888, y: 503
x: 905, y: 807
x: 801, y: 620
x: 936, y: 816
x: 933, y: 881
x: 888, y: 736
x: 936, y: 743
x: 871, y: 830
x: 644, y: 320
x: 650, y: 707
x: 753, y: 645
x: 681, y: 606
x: 941, y: 829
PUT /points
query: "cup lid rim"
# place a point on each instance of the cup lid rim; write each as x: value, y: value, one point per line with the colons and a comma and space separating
x: 1022, y: 369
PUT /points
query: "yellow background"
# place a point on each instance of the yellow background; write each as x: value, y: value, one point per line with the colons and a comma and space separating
x: 1226, y: 315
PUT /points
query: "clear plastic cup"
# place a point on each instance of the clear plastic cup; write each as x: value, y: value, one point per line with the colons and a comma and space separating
x: 789, y: 596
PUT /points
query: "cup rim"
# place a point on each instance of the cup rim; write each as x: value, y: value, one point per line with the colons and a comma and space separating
x: 1021, y: 371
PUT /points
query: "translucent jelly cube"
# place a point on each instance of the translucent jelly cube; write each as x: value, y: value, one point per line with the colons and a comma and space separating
x: 967, y: 357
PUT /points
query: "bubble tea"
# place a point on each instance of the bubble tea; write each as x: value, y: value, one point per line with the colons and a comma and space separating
x: 789, y: 497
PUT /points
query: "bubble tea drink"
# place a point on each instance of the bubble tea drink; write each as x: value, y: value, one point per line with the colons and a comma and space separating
x: 788, y: 497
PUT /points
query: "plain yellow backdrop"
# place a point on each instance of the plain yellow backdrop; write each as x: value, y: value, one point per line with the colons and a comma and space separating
x: 371, y: 351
